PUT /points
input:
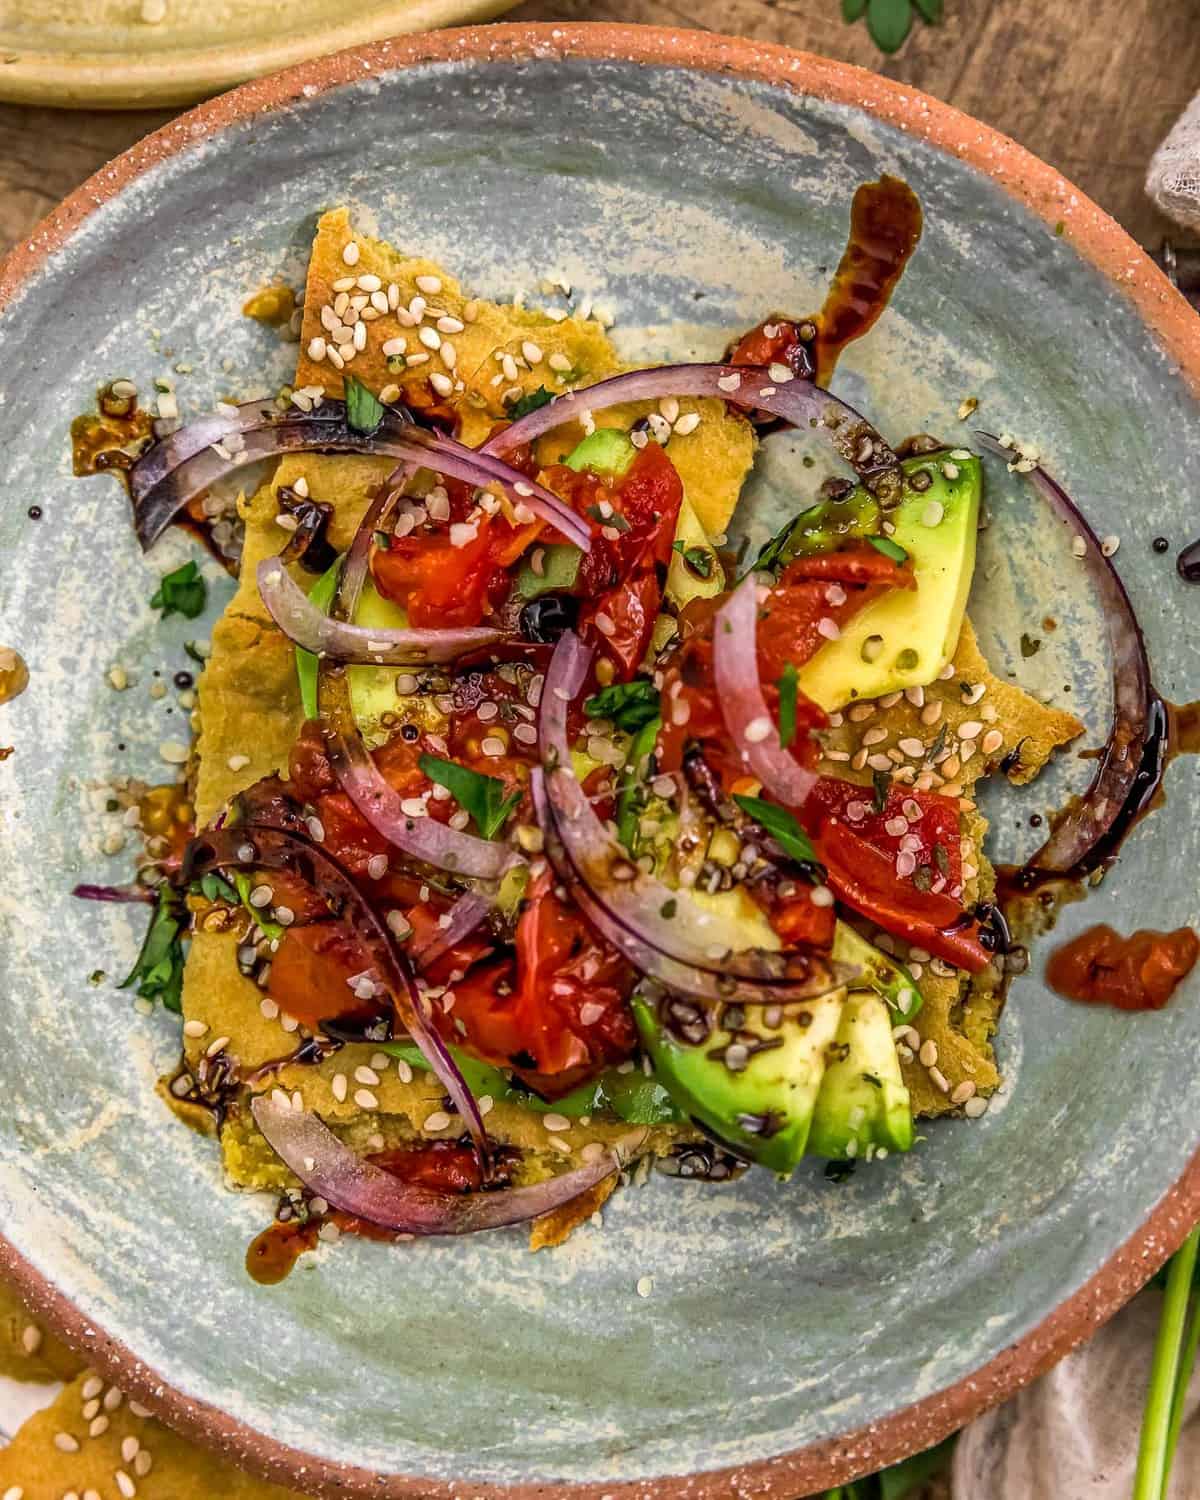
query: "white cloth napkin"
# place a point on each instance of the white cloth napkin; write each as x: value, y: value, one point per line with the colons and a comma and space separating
x: 1073, y: 1434
x: 1173, y: 181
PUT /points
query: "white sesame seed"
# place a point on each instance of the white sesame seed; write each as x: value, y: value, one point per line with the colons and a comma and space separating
x: 556, y: 1122
x: 912, y: 747
x: 268, y: 1008
x: 136, y: 1409
x: 129, y: 1448
x: 875, y: 735
x: 92, y: 1386
x: 261, y: 895
x: 1078, y: 546
x: 174, y: 753
x: 154, y: 11
x: 991, y: 741
x: 338, y: 1087
x: 974, y: 1107
x: 363, y: 1074
x: 413, y: 807
x: 876, y: 762
x: 970, y: 729
x: 687, y: 423
x: 929, y: 1053
x: 142, y: 1463
x: 125, y: 1484
x: 365, y: 1099
x: 758, y: 729
x: 442, y: 384
x: 1109, y: 545
x: 65, y: 1443
x: 532, y: 352
x: 729, y: 382
x: 438, y: 1120
x: 195, y: 1028
x: 13, y: 1492
x: 350, y: 253
x: 828, y: 628
x: 821, y: 895
x: 933, y: 513
x: 430, y: 285
x: 645, y: 1286
x: 316, y: 349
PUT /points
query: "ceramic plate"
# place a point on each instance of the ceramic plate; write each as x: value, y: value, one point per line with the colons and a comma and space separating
x: 107, y: 54
x: 796, y: 1333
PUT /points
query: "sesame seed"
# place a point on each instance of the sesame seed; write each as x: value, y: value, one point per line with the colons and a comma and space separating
x: 350, y: 253
x: 729, y: 382
x: 821, y: 895
x: 1078, y: 546
x: 129, y: 1448
x: 14, y: 1492
x: 125, y: 1484
x: 933, y: 513
x: 442, y: 384
x: 389, y: 394
x: 645, y: 1286
x: 363, y: 1074
x: 532, y: 352
x: 438, y: 1120
x: 559, y: 1145
x: 92, y: 1386
x: 940, y: 1079
x: 875, y: 736
x: 876, y: 762
x: 413, y: 807
x: 430, y: 285
x: 828, y: 628
x: 31, y: 1338
x: 556, y: 1122
x: 142, y: 1463
x: 65, y: 1443
x: 970, y: 729
x: 174, y: 753
x: 1109, y: 545
x: 154, y: 11
x: 912, y: 747
x: 687, y: 423
x: 404, y: 1070
x: 929, y: 1053
x: 316, y: 349
x: 268, y: 1008
x: 974, y: 1107
x: 758, y: 729
x: 136, y: 1409
x: 991, y: 741
x: 780, y: 374
x: 365, y: 1099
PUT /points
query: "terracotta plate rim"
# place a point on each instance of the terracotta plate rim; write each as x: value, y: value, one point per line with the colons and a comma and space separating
x: 1102, y: 242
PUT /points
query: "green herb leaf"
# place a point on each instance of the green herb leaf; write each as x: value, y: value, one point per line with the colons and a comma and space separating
x: 530, y: 401
x: 158, y: 971
x: 930, y: 10
x: 214, y: 887
x: 784, y: 829
x: 853, y: 10
x: 788, y: 694
x: 1030, y: 645
x: 182, y: 592
x: 480, y: 1077
x: 191, y: 649
x: 272, y: 931
x: 630, y: 705
x: 889, y: 22
x: 922, y: 878
x: 699, y: 559
x: 882, y: 782
x: 889, y: 548
x: 559, y: 570
x: 364, y: 410
x: 941, y: 858
x: 482, y: 796
x: 614, y: 518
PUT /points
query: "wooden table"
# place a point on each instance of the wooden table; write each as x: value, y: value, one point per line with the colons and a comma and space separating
x: 1090, y: 87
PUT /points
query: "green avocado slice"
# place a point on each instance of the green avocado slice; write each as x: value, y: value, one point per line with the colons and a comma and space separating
x: 907, y: 636
x: 762, y: 1107
x: 890, y: 980
x: 862, y: 1100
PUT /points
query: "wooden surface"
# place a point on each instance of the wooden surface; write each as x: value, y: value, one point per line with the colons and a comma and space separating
x: 1090, y: 87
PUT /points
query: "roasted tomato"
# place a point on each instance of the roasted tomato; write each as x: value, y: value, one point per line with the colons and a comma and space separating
x: 443, y: 585
x: 918, y: 831
x: 311, y: 973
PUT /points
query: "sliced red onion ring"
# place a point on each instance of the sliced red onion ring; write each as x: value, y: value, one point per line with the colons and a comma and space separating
x: 739, y: 692
x: 257, y: 846
x: 124, y: 893
x: 307, y: 626
x: 159, y: 496
x: 465, y: 916
x: 645, y: 914
x: 1088, y: 834
x: 358, y: 1187
x: 798, y: 402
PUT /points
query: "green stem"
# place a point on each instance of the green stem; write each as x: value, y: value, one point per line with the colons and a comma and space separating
x: 1187, y: 1364
x: 1154, y: 1452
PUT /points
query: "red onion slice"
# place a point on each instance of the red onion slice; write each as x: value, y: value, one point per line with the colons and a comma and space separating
x: 160, y: 492
x: 331, y: 1170
x: 798, y: 402
x: 654, y: 916
x: 1088, y: 834
x: 465, y: 916
x: 739, y: 692
x: 307, y: 626
x: 257, y: 846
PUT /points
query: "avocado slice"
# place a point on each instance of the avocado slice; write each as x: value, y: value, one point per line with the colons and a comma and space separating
x: 763, y: 1110
x: 862, y: 1100
x: 905, y: 638
x: 878, y: 971
x: 607, y: 451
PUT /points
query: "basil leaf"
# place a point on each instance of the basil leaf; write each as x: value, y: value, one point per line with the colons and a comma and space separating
x: 560, y: 568
x: 480, y: 1077
x: 631, y: 789
x: 530, y: 401
x: 214, y: 887
x: 630, y: 705
x: 784, y: 829
x: 699, y: 559
x: 853, y: 10
x: 788, y: 694
x: 272, y: 931
x: 931, y: 10
x: 482, y: 796
x: 364, y: 410
x: 889, y: 548
x: 158, y: 970
x: 182, y: 592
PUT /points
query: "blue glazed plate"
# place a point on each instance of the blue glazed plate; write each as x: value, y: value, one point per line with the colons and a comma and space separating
x: 796, y: 1333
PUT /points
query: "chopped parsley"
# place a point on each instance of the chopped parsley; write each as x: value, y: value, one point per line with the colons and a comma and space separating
x: 364, y: 410
x: 882, y: 782
x: 785, y: 830
x: 158, y: 971
x: 630, y: 705
x: 614, y: 518
x: 1030, y: 645
x: 182, y: 592
x: 889, y: 548
x: 699, y: 559
x: 788, y: 694
x: 482, y: 796
x: 530, y: 401
x: 272, y: 931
